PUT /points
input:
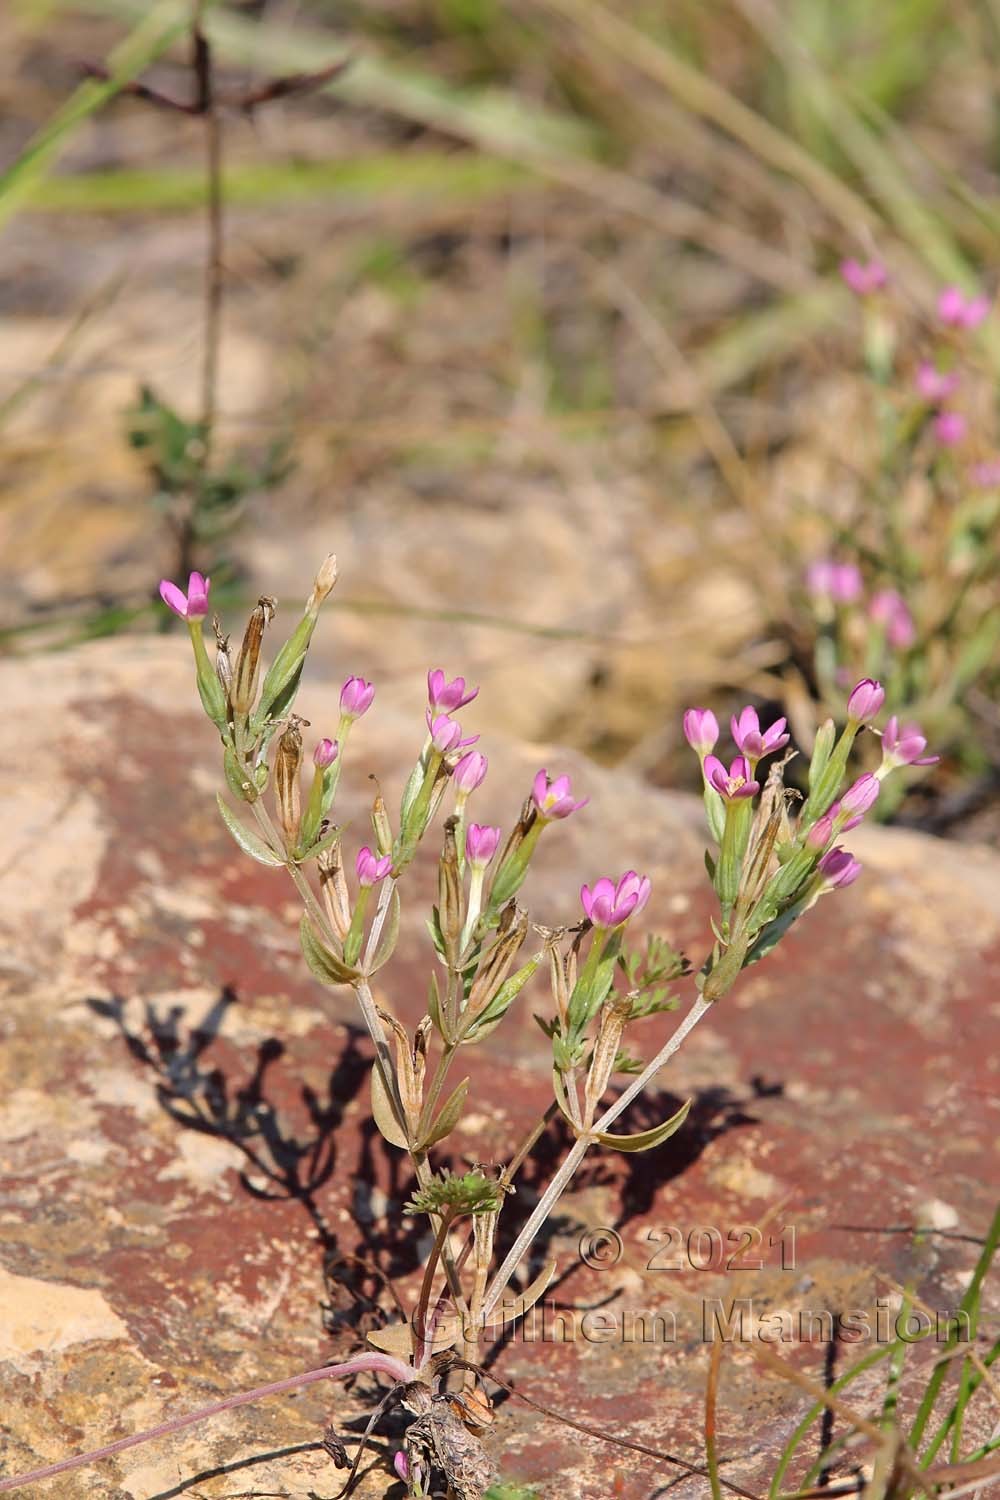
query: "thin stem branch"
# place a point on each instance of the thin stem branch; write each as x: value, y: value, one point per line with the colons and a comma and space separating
x: 383, y: 1364
x: 557, y: 1186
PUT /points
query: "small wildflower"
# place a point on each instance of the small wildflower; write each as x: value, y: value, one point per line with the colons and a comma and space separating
x: 470, y: 772
x: 936, y: 385
x: 865, y: 701
x: 447, y: 697
x: 356, y: 697
x: 904, y: 747
x: 864, y: 277
x: 446, y: 734
x: 950, y: 428
x: 749, y: 740
x: 481, y: 841
x: 839, y: 868
x: 554, y: 799
x: 889, y: 608
x: 958, y: 311
x: 370, y: 868
x: 861, y: 795
x: 325, y: 754
x: 841, y: 583
x: 736, y: 782
x: 190, y: 606
x: 609, y: 905
x: 701, y: 730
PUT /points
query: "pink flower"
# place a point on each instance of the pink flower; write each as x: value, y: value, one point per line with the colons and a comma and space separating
x: 401, y: 1464
x: 325, y: 754
x: 958, y: 311
x: 950, y: 428
x: 356, y: 697
x: 736, y: 782
x: 936, y: 385
x: 865, y: 701
x: 370, y: 868
x: 861, y: 795
x: 750, y: 741
x: 839, y: 582
x: 446, y: 734
x: 609, y: 905
x: 701, y: 729
x: 864, y: 277
x: 554, y: 799
x: 839, y: 868
x: 481, y: 843
x: 447, y: 697
x: 986, y: 475
x: 904, y: 747
x: 888, y: 608
x: 843, y: 822
x: 190, y: 606
x: 470, y: 772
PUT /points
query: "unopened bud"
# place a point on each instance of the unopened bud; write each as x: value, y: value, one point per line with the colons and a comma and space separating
x: 244, y: 689
x: 287, y: 788
x: 325, y: 580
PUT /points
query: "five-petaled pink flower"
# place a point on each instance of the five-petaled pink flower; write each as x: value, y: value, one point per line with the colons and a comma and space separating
x: 371, y: 869
x: 554, y: 799
x: 936, y: 385
x: 356, y: 697
x: 481, y: 842
x: 736, y: 782
x: 609, y: 905
x: 904, y: 747
x: 839, y: 868
x: 447, y: 697
x: 959, y: 311
x: 470, y: 772
x: 190, y: 606
x: 446, y: 734
x: 750, y: 741
x: 325, y: 754
x: 701, y: 730
x: 864, y: 277
x: 867, y: 697
x: 950, y: 428
x: 889, y: 608
x: 839, y: 582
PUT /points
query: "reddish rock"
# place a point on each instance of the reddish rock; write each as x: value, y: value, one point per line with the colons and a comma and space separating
x: 185, y: 1142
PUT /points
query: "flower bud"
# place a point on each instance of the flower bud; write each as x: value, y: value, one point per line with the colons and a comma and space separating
x: 839, y: 868
x: 325, y: 754
x: 865, y: 701
x: 821, y: 832
x: 701, y: 730
x: 356, y: 697
x: 325, y: 580
x: 470, y: 772
x: 446, y: 734
x: 862, y: 795
x: 481, y: 844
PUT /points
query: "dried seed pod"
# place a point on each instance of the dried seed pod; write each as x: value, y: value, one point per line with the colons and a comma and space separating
x: 287, y: 787
x: 244, y: 688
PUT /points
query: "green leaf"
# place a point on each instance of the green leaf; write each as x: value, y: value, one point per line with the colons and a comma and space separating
x: 326, y: 966
x: 447, y: 1118
x: 249, y: 842
x: 646, y: 1139
x: 383, y: 1113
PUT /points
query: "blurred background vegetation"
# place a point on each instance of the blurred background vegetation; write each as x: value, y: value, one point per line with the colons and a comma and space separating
x: 533, y: 314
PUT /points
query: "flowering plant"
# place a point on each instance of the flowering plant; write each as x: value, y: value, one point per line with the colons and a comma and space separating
x: 771, y: 858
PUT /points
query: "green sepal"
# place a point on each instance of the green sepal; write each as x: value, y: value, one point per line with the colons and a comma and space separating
x: 739, y: 817
x: 249, y: 842
x: 646, y: 1139
x: 237, y: 779
x: 210, y: 691
x: 324, y: 965
x: 715, y: 812
x: 822, y: 748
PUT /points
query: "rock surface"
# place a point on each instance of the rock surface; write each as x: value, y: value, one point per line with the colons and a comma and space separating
x: 184, y: 1136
